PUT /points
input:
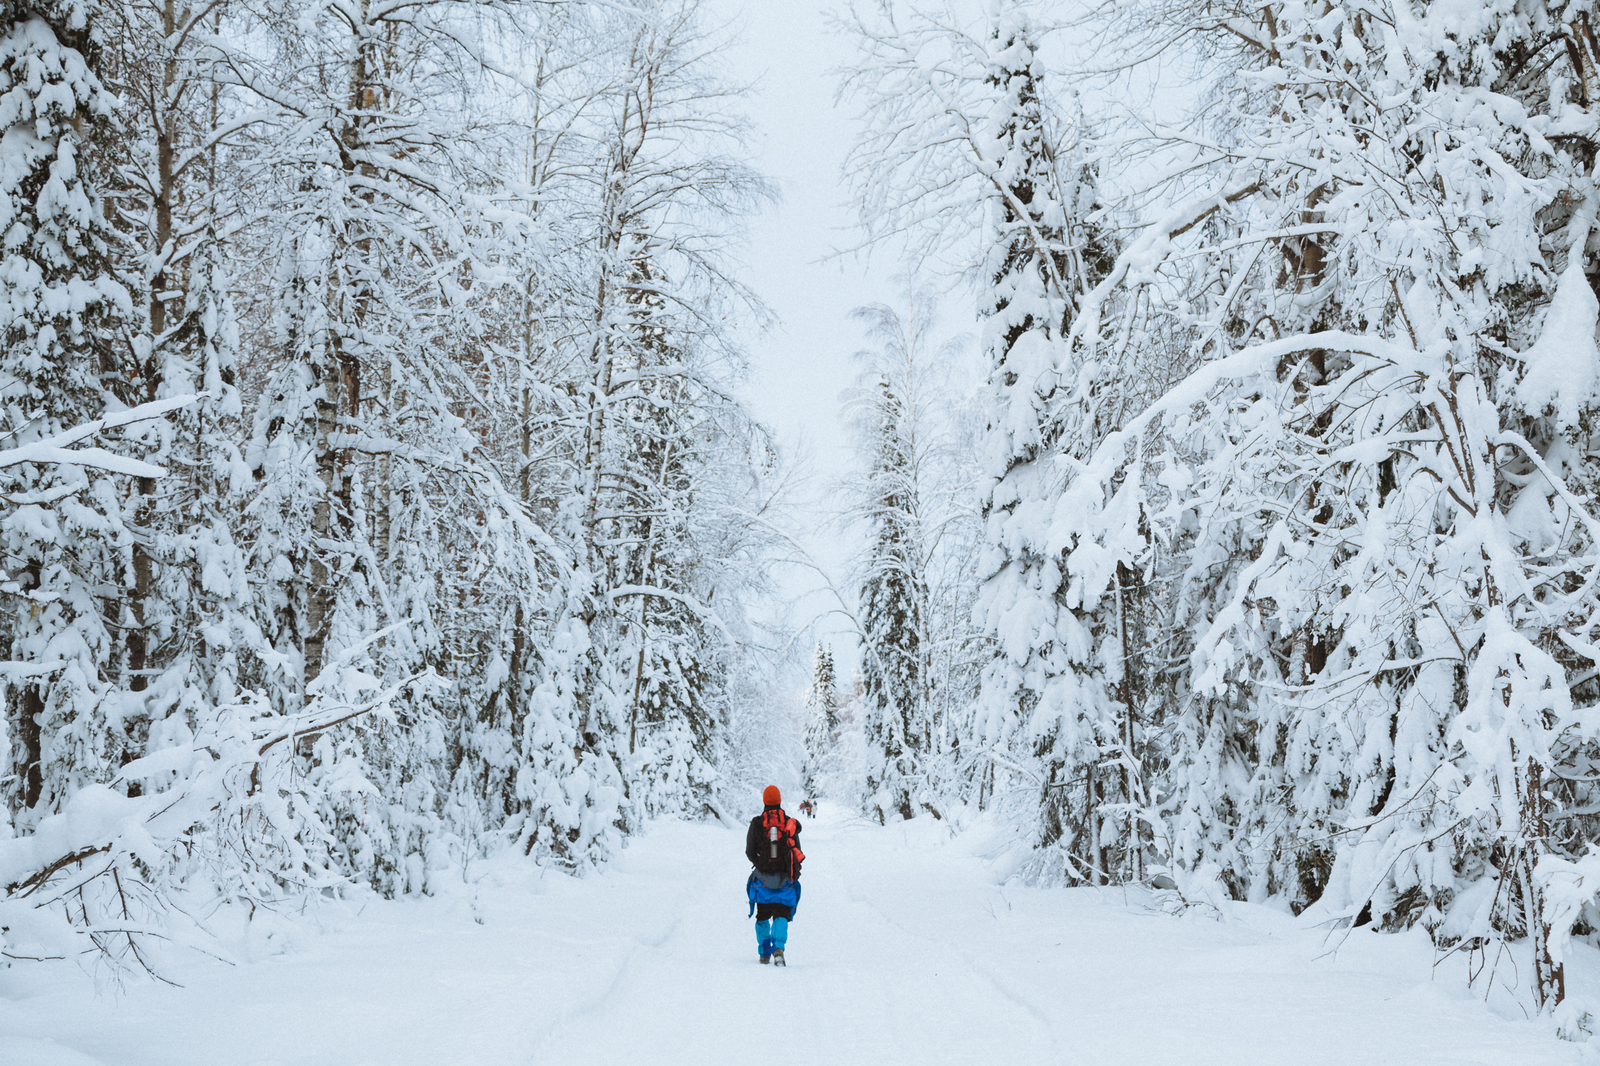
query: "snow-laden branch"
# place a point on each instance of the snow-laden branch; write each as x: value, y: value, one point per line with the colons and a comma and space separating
x: 58, y: 449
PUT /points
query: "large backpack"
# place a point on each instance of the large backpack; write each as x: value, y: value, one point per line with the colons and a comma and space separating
x: 780, y: 848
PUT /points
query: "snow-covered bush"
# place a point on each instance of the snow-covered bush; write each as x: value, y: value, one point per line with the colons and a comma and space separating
x: 225, y: 812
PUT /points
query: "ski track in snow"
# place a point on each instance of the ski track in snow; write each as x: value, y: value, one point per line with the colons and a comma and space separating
x: 905, y: 950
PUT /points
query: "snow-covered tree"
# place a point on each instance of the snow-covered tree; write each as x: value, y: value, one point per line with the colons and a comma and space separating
x: 1052, y: 687
x: 64, y: 310
x: 1375, y: 471
x: 915, y: 499
x: 822, y: 721
x: 977, y: 129
x: 893, y: 610
x: 184, y: 574
x: 630, y: 686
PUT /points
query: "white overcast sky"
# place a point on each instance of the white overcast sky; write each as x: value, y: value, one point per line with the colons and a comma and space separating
x: 787, y: 52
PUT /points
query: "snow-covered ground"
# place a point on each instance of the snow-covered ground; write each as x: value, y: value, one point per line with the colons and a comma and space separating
x: 905, y: 950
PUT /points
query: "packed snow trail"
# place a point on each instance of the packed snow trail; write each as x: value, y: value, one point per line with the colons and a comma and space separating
x: 905, y: 950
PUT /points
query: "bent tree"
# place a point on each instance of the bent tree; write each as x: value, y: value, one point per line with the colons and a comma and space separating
x: 1389, y: 423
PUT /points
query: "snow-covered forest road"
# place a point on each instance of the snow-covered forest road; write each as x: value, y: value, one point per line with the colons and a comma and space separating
x: 905, y: 950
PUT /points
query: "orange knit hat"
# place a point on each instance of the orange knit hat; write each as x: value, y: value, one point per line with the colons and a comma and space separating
x: 772, y: 797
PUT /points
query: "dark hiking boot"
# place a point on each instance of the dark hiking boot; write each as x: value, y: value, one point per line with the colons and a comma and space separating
x: 777, y: 958
x: 765, y: 959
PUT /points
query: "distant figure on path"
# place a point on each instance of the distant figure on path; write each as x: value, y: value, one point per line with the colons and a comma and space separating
x: 773, y: 848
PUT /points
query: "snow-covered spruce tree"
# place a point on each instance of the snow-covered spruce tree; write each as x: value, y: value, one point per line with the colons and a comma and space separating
x: 521, y: 376
x: 675, y: 709
x: 915, y: 500
x: 822, y: 725
x: 893, y: 611
x: 1414, y: 627
x: 1053, y: 690
x: 977, y: 127
x: 200, y: 621
x: 60, y: 365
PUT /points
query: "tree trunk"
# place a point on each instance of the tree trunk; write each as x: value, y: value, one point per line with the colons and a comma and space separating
x: 1125, y: 694
x: 30, y: 709
x: 1091, y: 818
x: 137, y: 641
x: 319, y: 596
x: 341, y: 370
x: 1549, y: 977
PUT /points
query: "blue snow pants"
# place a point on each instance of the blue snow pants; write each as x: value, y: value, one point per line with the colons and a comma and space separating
x: 772, y: 936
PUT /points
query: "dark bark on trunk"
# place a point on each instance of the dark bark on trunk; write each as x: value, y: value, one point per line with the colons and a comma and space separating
x: 341, y: 383
x: 150, y: 375
x: 30, y: 708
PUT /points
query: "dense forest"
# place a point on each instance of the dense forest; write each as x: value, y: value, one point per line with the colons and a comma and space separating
x: 378, y: 494
x: 1284, y: 573
x: 424, y: 518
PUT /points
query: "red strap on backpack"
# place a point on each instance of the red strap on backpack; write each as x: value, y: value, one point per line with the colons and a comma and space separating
x: 787, y: 828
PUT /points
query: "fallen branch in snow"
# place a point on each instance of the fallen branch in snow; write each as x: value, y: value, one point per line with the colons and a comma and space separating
x: 32, y: 884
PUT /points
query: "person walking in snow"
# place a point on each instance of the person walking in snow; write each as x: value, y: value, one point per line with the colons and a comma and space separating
x: 773, y: 847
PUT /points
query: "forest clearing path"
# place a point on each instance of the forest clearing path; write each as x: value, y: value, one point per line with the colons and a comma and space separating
x: 905, y: 950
